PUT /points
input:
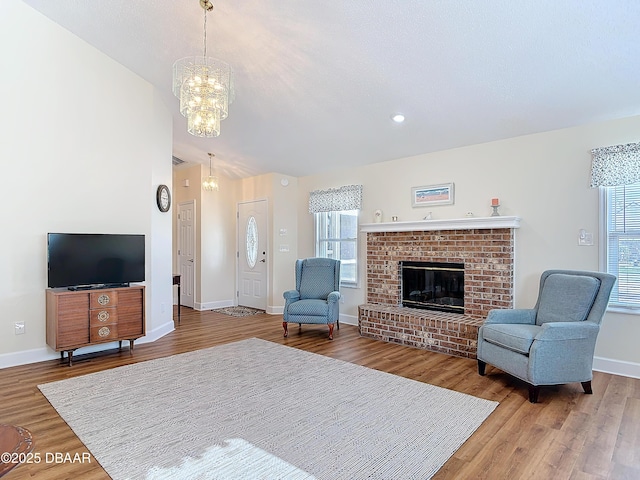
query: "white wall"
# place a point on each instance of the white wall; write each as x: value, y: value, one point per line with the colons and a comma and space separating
x: 217, y: 244
x: 543, y: 178
x: 284, y: 239
x: 84, y: 144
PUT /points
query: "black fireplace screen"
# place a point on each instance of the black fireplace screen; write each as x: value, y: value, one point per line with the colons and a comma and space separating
x: 433, y: 286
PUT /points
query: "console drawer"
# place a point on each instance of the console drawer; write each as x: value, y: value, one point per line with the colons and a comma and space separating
x: 103, y: 316
x: 104, y: 333
x: 103, y: 298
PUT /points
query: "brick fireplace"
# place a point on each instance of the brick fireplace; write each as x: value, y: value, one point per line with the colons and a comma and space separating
x: 486, y: 248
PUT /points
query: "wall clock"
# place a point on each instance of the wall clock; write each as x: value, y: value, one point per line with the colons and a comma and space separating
x: 163, y: 198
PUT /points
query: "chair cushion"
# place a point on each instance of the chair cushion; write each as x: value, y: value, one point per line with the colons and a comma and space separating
x: 513, y: 336
x: 566, y: 298
x: 318, y: 279
x: 309, y: 307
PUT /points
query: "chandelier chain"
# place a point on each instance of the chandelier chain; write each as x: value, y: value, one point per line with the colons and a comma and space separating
x: 205, y: 33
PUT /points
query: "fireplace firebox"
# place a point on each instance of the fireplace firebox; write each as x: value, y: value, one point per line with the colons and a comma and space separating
x: 433, y: 286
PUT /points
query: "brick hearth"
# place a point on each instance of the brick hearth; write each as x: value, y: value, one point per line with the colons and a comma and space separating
x: 488, y: 257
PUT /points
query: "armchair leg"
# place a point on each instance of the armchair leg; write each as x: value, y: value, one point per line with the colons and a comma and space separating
x: 331, y: 331
x: 481, y: 366
x: 587, y: 387
x: 285, y: 325
x: 534, y: 390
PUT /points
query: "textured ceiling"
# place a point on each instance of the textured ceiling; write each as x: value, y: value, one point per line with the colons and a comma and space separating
x: 317, y: 82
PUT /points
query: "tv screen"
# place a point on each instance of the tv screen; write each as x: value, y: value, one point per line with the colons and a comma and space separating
x: 88, y: 259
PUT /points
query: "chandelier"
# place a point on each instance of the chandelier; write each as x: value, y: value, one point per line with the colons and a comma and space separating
x: 210, y: 183
x: 205, y: 88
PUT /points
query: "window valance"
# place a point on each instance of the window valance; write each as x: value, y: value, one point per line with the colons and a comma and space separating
x: 615, y: 165
x: 348, y: 197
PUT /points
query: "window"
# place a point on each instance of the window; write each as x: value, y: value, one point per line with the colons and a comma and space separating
x: 337, y: 238
x: 622, y: 243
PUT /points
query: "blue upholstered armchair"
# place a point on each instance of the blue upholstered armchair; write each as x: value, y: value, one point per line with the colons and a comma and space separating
x: 552, y: 343
x: 315, y: 299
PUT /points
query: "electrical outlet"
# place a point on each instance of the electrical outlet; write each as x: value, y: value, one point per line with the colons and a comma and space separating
x: 19, y: 328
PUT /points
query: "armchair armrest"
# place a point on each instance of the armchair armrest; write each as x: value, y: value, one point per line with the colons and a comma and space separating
x: 291, y: 295
x: 333, y: 297
x: 555, y: 331
x: 522, y: 315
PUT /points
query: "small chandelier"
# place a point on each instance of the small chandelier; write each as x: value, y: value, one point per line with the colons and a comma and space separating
x: 210, y: 183
x: 205, y: 88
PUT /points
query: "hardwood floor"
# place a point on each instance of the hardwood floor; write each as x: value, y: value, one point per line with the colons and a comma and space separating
x: 568, y: 435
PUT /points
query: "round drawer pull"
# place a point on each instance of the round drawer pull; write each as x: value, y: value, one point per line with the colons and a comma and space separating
x: 104, y: 332
x: 103, y: 315
x: 103, y: 299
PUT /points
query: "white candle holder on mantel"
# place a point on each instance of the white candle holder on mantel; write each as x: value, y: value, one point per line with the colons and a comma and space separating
x: 495, y: 203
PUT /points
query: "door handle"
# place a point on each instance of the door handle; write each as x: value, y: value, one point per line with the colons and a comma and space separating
x: 263, y: 260
x: 190, y: 260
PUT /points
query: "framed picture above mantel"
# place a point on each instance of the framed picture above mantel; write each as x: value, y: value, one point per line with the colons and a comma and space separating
x: 432, y: 195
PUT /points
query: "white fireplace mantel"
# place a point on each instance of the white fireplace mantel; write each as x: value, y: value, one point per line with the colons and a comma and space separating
x: 468, y: 223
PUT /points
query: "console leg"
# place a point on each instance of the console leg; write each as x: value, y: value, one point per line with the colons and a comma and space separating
x: 70, y: 357
x: 119, y: 345
x: 131, y: 347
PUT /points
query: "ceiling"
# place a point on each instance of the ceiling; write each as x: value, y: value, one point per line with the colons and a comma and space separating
x: 317, y: 81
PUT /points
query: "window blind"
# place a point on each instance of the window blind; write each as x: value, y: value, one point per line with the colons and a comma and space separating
x: 623, y: 243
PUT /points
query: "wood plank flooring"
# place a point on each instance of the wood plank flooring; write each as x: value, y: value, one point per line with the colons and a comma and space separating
x: 568, y: 435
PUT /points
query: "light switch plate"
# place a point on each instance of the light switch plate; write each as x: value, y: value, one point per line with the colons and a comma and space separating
x: 586, y: 239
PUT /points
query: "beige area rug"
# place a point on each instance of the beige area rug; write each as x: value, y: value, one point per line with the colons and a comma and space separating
x: 259, y: 410
x: 239, y: 311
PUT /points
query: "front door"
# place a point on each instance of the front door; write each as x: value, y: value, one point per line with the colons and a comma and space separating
x: 186, y: 251
x: 252, y: 254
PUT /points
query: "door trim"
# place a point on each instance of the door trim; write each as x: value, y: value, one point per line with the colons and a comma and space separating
x: 192, y: 203
x: 267, y: 248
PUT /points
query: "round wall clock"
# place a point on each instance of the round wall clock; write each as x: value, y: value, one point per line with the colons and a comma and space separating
x: 163, y: 198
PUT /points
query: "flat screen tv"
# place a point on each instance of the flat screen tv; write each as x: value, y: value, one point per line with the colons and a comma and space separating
x: 89, y: 260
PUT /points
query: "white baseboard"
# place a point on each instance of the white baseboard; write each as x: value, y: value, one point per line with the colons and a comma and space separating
x: 213, y: 305
x: 349, y: 319
x: 43, y: 354
x: 27, y: 356
x: 275, y: 310
x: 616, y: 367
x: 158, y: 332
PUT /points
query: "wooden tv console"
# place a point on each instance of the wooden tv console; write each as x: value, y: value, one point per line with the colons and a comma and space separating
x: 80, y: 318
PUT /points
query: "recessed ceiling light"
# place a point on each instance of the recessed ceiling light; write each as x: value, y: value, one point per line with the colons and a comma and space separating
x: 397, y: 117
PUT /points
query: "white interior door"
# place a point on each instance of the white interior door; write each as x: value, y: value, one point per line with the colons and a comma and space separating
x: 252, y: 254
x: 187, y: 251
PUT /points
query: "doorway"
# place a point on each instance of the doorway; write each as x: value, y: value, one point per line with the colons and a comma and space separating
x: 187, y: 251
x: 252, y: 254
